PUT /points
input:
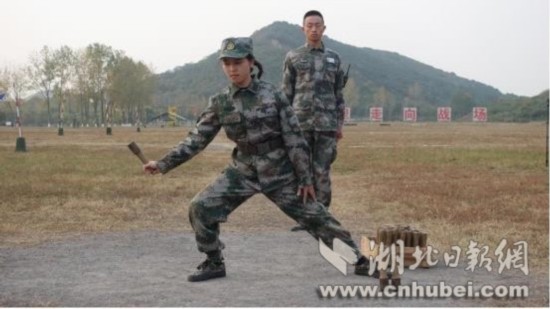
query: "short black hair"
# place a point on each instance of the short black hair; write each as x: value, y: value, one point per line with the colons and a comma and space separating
x: 313, y: 13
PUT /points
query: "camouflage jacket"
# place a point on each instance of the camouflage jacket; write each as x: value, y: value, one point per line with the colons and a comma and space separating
x: 313, y: 82
x: 259, y: 115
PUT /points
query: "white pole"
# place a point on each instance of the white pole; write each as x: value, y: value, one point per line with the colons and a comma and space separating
x: 18, y: 120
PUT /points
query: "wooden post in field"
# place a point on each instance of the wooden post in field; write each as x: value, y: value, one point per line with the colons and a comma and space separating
x: 20, y: 144
x: 60, y: 130
x: 138, y: 123
x: 108, y: 115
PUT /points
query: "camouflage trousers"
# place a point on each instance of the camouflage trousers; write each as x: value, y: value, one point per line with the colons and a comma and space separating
x: 211, y: 207
x: 322, y: 145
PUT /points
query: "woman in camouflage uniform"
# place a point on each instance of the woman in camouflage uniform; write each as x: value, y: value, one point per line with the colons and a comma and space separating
x: 271, y: 157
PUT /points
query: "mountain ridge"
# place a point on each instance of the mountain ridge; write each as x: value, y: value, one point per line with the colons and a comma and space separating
x: 377, y: 78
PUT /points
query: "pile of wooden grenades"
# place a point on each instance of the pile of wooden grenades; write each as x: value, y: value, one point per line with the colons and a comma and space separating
x: 388, y: 235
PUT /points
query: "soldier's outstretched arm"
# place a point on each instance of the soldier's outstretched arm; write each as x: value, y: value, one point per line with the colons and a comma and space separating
x: 206, y: 128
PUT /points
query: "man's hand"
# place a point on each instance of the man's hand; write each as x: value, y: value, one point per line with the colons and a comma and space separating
x: 306, y: 191
x: 151, y: 168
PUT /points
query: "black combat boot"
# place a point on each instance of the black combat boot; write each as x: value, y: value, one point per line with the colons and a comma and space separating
x: 362, y: 268
x: 212, y: 268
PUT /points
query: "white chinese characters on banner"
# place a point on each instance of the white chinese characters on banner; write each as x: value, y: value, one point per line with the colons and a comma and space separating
x: 479, y: 114
x: 443, y: 114
x: 409, y: 114
x: 376, y: 114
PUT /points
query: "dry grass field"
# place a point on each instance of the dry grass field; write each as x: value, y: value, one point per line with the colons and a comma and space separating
x: 457, y: 181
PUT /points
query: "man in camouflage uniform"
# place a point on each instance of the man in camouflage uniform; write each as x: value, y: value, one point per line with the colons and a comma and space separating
x: 271, y: 157
x: 312, y: 81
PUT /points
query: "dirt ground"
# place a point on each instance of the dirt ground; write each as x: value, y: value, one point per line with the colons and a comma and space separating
x: 276, y: 269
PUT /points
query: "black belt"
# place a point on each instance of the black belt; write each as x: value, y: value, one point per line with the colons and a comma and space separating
x: 260, y: 148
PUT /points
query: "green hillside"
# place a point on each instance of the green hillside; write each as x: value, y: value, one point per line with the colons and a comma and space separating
x: 520, y: 109
x: 377, y: 78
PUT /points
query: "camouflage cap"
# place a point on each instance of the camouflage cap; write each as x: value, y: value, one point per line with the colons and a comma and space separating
x: 236, y: 48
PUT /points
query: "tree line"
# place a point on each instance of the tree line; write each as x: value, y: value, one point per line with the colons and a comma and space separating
x: 96, y: 85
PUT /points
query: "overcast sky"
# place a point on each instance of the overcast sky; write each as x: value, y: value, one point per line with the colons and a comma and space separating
x: 503, y: 43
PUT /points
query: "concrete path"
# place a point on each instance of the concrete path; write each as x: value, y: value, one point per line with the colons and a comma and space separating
x: 280, y: 269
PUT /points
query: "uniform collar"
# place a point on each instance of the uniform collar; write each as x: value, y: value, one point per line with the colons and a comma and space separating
x: 253, y: 88
x: 311, y: 48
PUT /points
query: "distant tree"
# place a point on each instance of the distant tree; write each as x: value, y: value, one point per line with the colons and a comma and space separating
x: 83, y: 84
x: 42, y: 75
x: 4, y: 81
x: 130, y: 87
x: 462, y: 103
x: 381, y: 97
x: 5, y: 104
x: 384, y: 98
x: 351, y: 95
x: 15, y: 83
x: 99, y: 57
x: 64, y: 70
x: 396, y: 109
x: 414, y: 92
